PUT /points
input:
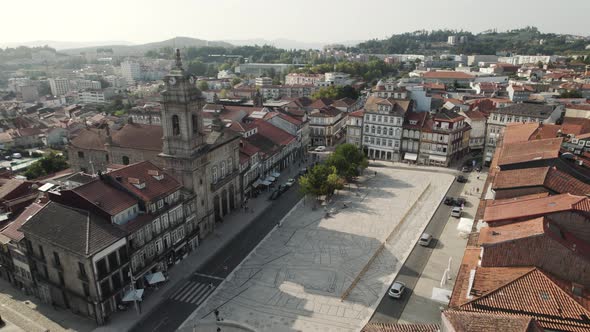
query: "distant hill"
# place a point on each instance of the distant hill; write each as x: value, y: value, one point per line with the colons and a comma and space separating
x: 177, y: 42
x: 528, y: 40
x: 60, y: 45
x: 287, y: 44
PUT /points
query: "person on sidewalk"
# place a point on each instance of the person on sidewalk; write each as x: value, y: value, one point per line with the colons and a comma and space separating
x: 216, y: 312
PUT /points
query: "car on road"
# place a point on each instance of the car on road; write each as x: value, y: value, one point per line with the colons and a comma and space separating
x: 456, y: 212
x: 460, y: 201
x: 425, y: 239
x: 461, y: 179
x: 289, y: 183
x: 466, y: 169
x: 303, y: 171
x: 17, y: 155
x: 397, y: 290
x: 320, y: 148
x: 449, y: 201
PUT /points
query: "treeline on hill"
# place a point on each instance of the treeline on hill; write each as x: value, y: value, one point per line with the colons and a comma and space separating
x: 21, y: 52
x: 369, y: 71
x: 521, y: 41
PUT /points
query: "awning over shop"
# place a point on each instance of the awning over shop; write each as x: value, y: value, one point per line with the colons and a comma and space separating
x: 256, y: 183
x: 133, y: 295
x: 411, y: 156
x: 438, y: 158
x: 270, y: 179
x: 275, y: 174
x: 265, y: 183
x: 155, y: 278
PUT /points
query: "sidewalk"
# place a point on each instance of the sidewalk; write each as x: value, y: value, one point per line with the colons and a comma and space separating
x: 223, y: 234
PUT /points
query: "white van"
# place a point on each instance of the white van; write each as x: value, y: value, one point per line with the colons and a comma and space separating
x: 17, y: 155
x: 456, y: 212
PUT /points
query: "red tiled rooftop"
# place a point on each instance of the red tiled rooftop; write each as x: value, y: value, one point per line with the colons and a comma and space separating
x: 154, y: 189
x: 105, y: 197
x: 139, y: 136
x: 465, y: 321
x: 508, y: 232
x: 275, y: 134
x: 519, y: 152
x: 535, y: 294
x: 12, y: 230
x: 531, y: 207
x: 447, y: 75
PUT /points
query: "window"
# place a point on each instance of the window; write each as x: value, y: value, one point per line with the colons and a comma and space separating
x: 230, y: 165
x: 56, y: 260
x: 165, y: 221
x: 390, y: 131
x: 389, y: 142
x: 367, y: 128
x: 61, y: 279
x: 214, y: 174
x: 379, y: 130
x: 175, y: 125
x: 222, y: 169
x: 101, y: 268
x: 125, y: 160
x: 81, y: 154
x: 41, y: 252
x: 86, y: 289
x: 160, y: 203
x: 156, y: 226
x: 398, y: 121
x: 195, y: 121
x: 82, y: 270
x: 106, y: 157
x: 113, y: 261
x: 158, y: 247
x: 372, y: 129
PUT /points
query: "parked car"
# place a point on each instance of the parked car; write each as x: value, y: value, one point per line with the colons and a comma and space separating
x: 449, y: 201
x: 466, y: 169
x: 397, y: 290
x: 289, y: 183
x: 275, y: 194
x: 303, y: 171
x: 425, y: 239
x: 8, y: 157
x: 460, y: 201
x: 17, y: 155
x: 461, y: 179
x: 320, y: 148
x: 456, y: 212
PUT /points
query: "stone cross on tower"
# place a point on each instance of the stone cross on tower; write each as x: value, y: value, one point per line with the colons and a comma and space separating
x: 178, y: 60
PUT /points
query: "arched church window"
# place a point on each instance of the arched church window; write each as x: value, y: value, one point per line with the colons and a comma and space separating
x: 195, y: 121
x: 214, y: 174
x: 175, y: 125
x: 125, y: 160
x: 223, y: 169
x: 230, y: 165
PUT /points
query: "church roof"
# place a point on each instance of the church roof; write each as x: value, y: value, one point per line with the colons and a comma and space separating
x: 139, y: 136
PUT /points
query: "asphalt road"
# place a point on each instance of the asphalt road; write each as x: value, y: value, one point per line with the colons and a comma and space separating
x: 170, y: 313
x: 389, y: 310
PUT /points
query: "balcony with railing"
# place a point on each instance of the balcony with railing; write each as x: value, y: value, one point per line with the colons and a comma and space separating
x: 227, y: 179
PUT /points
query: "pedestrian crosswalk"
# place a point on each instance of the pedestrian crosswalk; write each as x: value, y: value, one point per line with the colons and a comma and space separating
x: 194, y: 292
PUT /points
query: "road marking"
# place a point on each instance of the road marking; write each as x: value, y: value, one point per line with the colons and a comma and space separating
x: 193, y: 292
x: 207, y: 276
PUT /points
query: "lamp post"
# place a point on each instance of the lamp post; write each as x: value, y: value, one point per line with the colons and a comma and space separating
x: 137, y: 307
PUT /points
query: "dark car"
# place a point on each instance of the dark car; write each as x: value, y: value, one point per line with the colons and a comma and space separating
x: 449, y: 201
x: 460, y: 201
x: 461, y: 179
x: 275, y: 194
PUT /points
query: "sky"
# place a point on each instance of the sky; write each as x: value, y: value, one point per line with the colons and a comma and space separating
x: 302, y: 20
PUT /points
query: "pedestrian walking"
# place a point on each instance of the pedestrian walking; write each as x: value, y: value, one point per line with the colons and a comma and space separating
x: 375, y: 173
x: 216, y: 312
x: 210, y: 285
x: 477, y: 189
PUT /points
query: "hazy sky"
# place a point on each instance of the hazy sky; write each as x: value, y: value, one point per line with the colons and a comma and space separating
x: 303, y: 20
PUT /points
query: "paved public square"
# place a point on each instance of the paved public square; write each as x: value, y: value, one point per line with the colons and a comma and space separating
x: 295, y: 279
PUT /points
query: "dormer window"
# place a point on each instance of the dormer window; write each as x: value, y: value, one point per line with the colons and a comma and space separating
x: 139, y: 184
x: 158, y: 175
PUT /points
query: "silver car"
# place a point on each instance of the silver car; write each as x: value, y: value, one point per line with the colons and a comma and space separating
x: 397, y: 290
x: 425, y: 239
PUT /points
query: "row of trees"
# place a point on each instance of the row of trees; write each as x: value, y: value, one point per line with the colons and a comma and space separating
x: 50, y: 164
x: 369, y: 71
x: 336, y: 92
x: 344, y: 165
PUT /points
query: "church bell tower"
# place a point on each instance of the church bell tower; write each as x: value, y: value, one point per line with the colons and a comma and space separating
x: 182, y: 122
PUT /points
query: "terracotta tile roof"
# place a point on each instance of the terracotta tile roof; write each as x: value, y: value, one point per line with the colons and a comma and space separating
x: 139, y: 136
x: 519, y: 152
x: 475, y: 115
x: 344, y: 102
x: 141, y: 173
x: 275, y: 134
x: 461, y: 289
x: 434, y: 86
x: 465, y: 321
x: 448, y: 116
x: 539, y: 111
x: 400, y: 106
x: 264, y: 144
x: 327, y: 111
x: 321, y: 102
x: 76, y: 230
x: 525, y: 177
x: 290, y: 119
x: 12, y: 230
x: 447, y: 75
x: 105, y: 197
x: 531, y: 207
x: 90, y: 139
x: 509, y: 232
x: 385, y: 327
x: 357, y: 114
x: 536, y: 295
x: 487, y: 279
x: 583, y: 107
x: 562, y: 182
x: 247, y: 148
